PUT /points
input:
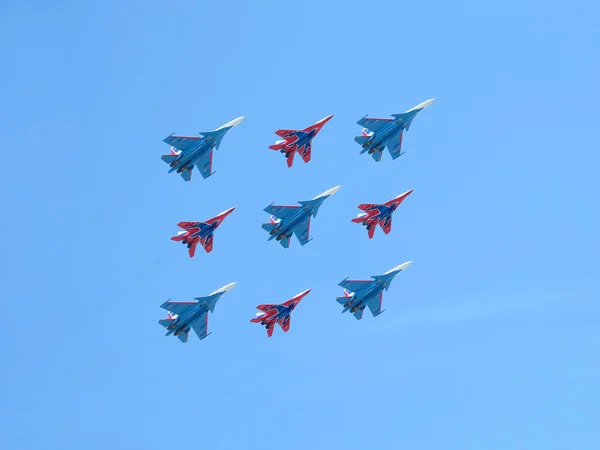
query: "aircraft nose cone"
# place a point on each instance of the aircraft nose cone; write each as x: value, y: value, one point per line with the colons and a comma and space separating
x: 326, y: 119
x: 399, y: 268
x: 426, y: 103
x: 231, y: 124
x: 331, y: 191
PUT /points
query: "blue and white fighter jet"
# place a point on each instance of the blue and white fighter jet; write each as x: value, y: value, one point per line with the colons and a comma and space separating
x: 288, y: 220
x: 380, y: 133
x: 358, y: 294
x: 190, y: 151
x: 184, y: 316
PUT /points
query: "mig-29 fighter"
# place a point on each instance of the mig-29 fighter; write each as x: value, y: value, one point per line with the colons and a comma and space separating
x: 379, y: 214
x: 288, y: 220
x: 271, y: 314
x: 187, y: 151
x: 202, y: 232
x: 380, y: 133
x: 184, y: 316
x: 358, y: 294
x: 298, y: 141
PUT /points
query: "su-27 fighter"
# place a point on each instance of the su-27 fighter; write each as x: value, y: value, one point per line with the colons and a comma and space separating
x: 288, y: 220
x: 271, y: 314
x: 298, y: 141
x: 358, y: 294
x: 190, y: 151
x: 184, y: 316
x: 379, y: 214
x: 380, y: 133
x: 202, y: 232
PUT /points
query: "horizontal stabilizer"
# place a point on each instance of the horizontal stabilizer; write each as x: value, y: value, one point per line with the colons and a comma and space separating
x: 268, y: 227
x: 183, y: 337
x: 169, y: 158
x: 377, y: 155
x: 277, y: 145
x: 186, y: 175
x: 285, y: 242
x: 358, y: 314
x: 166, y: 322
x: 342, y: 300
x: 362, y: 139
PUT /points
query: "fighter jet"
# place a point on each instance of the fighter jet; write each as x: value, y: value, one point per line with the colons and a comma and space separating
x: 358, y: 294
x: 272, y: 314
x: 202, y: 232
x: 298, y: 141
x: 288, y: 220
x: 184, y: 316
x: 187, y: 151
x: 379, y: 214
x: 379, y: 133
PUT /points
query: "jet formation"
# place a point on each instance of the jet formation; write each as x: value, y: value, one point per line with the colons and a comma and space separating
x: 189, y: 152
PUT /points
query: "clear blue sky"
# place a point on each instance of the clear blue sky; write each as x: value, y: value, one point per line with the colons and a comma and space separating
x: 489, y: 340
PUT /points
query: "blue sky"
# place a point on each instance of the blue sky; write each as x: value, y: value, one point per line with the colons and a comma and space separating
x: 489, y: 339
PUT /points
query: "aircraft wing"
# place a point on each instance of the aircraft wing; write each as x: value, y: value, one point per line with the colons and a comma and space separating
x: 375, y: 305
x: 201, y: 326
x: 386, y: 224
x: 178, y: 308
x: 394, y: 145
x: 182, y: 143
x: 354, y: 285
x: 281, y: 212
x: 204, y: 164
x: 373, y: 124
x: 188, y: 225
x: 302, y: 232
